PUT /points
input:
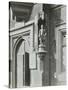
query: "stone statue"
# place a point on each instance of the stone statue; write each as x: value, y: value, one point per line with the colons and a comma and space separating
x: 41, y: 28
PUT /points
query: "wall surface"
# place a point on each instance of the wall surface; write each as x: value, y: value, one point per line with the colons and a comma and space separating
x: 54, y: 18
x: 57, y: 18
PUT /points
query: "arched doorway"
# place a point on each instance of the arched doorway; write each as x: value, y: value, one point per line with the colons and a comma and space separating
x: 22, y: 71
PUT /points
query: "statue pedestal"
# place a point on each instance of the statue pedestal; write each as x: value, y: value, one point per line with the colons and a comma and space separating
x: 41, y: 55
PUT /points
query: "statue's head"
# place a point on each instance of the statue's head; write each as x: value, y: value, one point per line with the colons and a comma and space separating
x: 41, y: 15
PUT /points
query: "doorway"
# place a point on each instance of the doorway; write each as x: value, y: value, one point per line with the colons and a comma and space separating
x: 22, y: 71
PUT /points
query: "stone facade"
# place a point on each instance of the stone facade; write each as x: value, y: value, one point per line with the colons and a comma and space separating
x: 55, y: 16
x: 57, y: 19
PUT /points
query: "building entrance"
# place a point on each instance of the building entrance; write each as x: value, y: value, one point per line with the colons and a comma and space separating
x: 22, y: 72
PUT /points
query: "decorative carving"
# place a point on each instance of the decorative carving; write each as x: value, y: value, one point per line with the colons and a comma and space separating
x: 41, y: 36
x: 41, y: 28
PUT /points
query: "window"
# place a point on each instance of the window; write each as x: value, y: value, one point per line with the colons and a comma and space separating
x: 60, y: 56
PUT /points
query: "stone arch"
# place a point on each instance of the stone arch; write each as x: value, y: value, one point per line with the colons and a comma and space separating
x: 17, y: 42
x: 16, y: 47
